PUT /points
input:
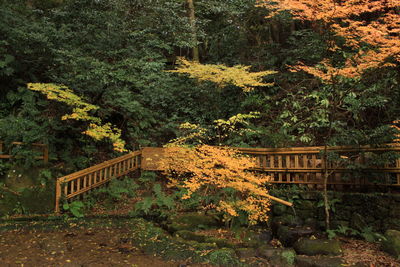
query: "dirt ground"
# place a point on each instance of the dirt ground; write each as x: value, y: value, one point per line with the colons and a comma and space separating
x: 74, y: 248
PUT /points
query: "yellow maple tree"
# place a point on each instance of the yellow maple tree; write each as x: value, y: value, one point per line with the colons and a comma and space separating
x: 80, y: 112
x: 208, y: 170
x: 222, y: 75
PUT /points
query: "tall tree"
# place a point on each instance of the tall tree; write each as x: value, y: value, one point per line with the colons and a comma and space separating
x: 361, y: 35
x: 192, y: 19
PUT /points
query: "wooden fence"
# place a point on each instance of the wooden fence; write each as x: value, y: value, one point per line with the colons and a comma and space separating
x: 300, y: 165
x: 41, y: 147
x: 306, y: 165
x: 82, y: 181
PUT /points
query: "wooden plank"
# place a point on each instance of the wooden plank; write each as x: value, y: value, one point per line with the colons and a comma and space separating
x: 398, y: 174
x: 57, y: 197
x: 280, y: 167
x: 98, y: 166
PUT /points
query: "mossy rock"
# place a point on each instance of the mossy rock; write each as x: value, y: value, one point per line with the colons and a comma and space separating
x: 392, y: 243
x: 254, y: 237
x: 223, y: 257
x: 312, y: 247
x: 289, y: 235
x: 189, y: 235
x: 318, y: 261
x: 220, y: 242
x: 155, y: 241
x: 244, y: 253
x: 278, y: 257
x: 192, y: 221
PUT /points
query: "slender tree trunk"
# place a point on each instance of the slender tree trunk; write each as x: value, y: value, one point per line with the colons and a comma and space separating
x: 326, y: 176
x: 192, y: 19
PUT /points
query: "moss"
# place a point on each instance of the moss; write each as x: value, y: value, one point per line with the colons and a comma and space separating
x: 313, y: 247
x: 192, y: 221
x: 392, y: 243
x: 189, y: 235
x: 220, y: 242
x: 246, y: 252
x: 155, y: 241
x: 278, y: 256
x: 223, y: 257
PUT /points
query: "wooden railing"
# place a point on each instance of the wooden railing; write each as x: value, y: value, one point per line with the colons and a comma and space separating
x: 44, y: 150
x: 305, y: 165
x: 82, y: 181
x: 299, y: 165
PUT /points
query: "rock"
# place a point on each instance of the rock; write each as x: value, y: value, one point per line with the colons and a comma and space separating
x: 223, y: 257
x: 289, y: 235
x: 392, y: 243
x: 220, y: 242
x: 255, y: 238
x: 192, y: 221
x: 287, y: 220
x: 317, y: 247
x: 246, y: 252
x: 318, y: 261
x: 189, y: 235
x: 278, y: 257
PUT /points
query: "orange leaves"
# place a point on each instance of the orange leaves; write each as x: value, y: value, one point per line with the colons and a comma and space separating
x: 362, y: 23
x: 207, y: 169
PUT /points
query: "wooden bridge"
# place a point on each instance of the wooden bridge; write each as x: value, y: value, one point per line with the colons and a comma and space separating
x: 299, y: 165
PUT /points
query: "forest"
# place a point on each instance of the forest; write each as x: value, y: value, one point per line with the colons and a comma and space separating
x: 86, y: 82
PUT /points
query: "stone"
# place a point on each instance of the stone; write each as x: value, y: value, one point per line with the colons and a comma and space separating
x: 312, y: 247
x: 287, y: 220
x: 223, y: 257
x: 289, y: 235
x: 254, y: 238
x: 244, y: 253
x: 278, y: 257
x: 189, y: 235
x: 318, y: 261
x: 192, y: 221
x: 392, y: 243
x: 220, y: 242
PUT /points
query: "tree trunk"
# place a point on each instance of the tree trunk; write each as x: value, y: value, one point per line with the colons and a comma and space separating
x: 326, y: 176
x: 192, y: 20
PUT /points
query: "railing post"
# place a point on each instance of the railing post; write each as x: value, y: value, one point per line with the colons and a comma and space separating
x: 57, y: 196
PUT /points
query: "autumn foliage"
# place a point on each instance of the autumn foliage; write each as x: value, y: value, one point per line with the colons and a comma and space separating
x: 222, y: 75
x: 209, y: 170
x: 370, y: 29
x: 80, y: 112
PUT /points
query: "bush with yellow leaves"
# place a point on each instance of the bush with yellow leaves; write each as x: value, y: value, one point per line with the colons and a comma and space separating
x: 208, y: 170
